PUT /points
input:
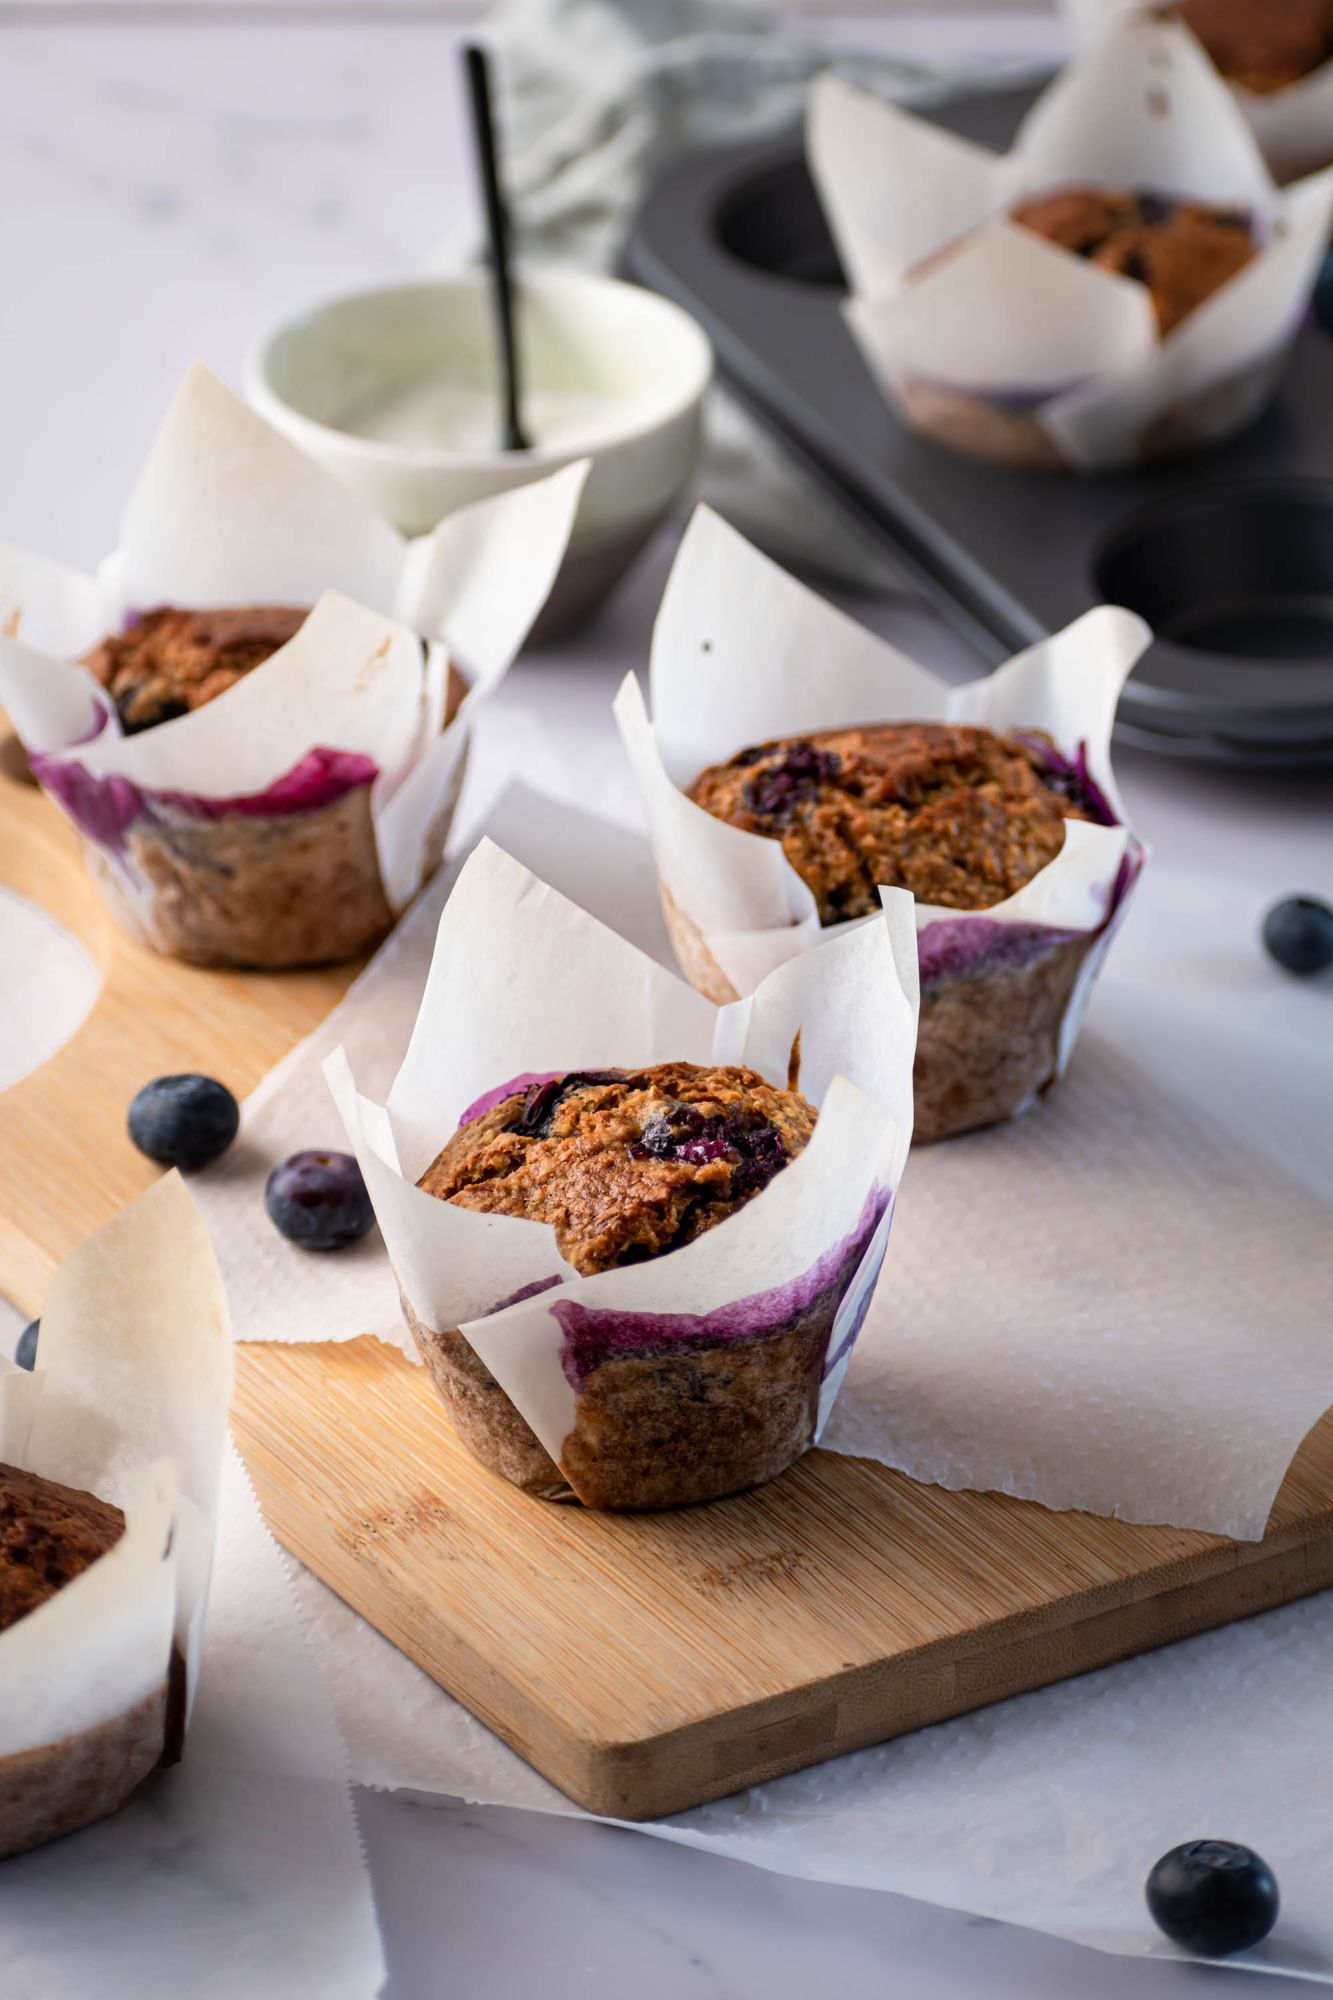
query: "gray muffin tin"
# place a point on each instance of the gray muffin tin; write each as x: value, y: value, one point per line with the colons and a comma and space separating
x: 1228, y: 553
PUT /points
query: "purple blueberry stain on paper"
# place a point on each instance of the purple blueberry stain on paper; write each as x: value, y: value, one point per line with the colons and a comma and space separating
x: 596, y: 1335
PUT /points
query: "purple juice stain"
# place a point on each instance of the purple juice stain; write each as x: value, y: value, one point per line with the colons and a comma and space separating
x: 526, y: 1079
x: 104, y: 808
x: 595, y: 1335
x: 953, y: 947
x: 776, y: 792
x: 532, y: 1291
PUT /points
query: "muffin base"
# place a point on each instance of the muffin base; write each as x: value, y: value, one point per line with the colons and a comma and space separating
x: 976, y: 427
x: 62, y: 1786
x: 988, y: 1041
x: 667, y: 1429
x: 264, y: 891
x: 696, y: 961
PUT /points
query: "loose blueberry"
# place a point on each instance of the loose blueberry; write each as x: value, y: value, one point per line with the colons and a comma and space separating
x: 319, y: 1200
x: 184, y: 1121
x: 26, y: 1351
x: 1213, y: 1897
x: 1298, y: 933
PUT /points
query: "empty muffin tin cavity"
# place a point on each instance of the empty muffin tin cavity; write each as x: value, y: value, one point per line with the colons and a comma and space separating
x: 1243, y: 571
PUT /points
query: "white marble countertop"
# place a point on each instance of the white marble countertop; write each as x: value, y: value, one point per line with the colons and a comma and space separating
x: 170, y: 187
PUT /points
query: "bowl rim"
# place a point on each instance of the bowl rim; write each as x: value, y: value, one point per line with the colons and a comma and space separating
x: 275, y: 407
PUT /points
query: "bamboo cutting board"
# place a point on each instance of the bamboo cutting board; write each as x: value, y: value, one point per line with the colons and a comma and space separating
x: 644, y: 1663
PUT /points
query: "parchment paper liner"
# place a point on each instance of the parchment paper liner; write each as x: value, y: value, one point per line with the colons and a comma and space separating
x: 702, y: 1371
x: 1293, y: 126
x: 998, y: 343
x: 292, y: 818
x: 743, y: 653
x: 128, y: 1401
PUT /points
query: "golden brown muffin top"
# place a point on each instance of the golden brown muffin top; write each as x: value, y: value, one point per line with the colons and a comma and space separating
x: 48, y: 1534
x: 624, y: 1164
x: 953, y: 812
x: 170, y: 661
x: 1263, y: 45
x: 1181, y: 250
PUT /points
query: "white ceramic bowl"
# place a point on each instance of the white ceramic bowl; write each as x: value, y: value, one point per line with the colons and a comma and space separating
x: 395, y: 392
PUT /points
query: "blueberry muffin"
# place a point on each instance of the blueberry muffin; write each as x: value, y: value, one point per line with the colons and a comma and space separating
x: 290, y: 878
x: 625, y: 1166
x: 963, y: 818
x: 1182, y: 251
x: 1263, y: 45
x: 50, y: 1534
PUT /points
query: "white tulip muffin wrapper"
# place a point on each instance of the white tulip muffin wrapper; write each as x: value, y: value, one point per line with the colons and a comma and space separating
x: 731, y: 666
x: 959, y: 1814
x: 129, y: 1402
x: 226, y: 512
x: 949, y: 294
x: 1293, y: 125
x: 525, y: 984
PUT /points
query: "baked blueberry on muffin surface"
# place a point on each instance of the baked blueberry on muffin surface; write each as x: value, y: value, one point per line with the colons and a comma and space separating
x: 1263, y: 45
x: 49, y: 1534
x: 959, y: 815
x: 1182, y: 251
x: 625, y: 1164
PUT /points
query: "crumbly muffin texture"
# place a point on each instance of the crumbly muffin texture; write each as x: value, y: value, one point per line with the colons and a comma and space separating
x: 1181, y: 250
x: 1263, y: 45
x: 955, y: 813
x: 49, y: 1534
x: 625, y: 1164
x: 170, y: 661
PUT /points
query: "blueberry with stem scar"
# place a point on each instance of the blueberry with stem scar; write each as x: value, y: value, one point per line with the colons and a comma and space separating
x: 319, y: 1200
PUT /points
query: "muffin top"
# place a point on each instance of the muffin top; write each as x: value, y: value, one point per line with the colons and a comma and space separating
x: 48, y: 1534
x: 953, y: 812
x: 1263, y: 45
x: 624, y: 1164
x: 1181, y: 250
x: 169, y: 661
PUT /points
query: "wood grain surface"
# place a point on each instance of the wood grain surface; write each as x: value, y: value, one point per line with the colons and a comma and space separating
x: 644, y: 1663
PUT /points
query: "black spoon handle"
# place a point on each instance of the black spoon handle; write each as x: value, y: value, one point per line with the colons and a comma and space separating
x: 497, y: 230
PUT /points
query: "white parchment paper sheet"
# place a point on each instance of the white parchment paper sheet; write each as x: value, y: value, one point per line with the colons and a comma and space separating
x: 1135, y: 1322
x: 238, y: 1872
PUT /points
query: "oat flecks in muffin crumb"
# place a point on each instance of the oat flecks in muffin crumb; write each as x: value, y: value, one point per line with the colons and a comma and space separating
x: 953, y: 812
x: 48, y: 1535
x: 625, y: 1164
x: 1181, y: 250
